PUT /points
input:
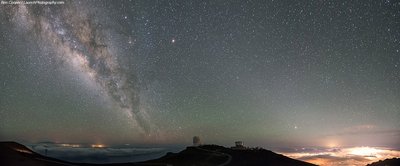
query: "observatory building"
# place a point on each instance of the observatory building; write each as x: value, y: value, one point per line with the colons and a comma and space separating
x: 239, y: 145
x: 196, y: 141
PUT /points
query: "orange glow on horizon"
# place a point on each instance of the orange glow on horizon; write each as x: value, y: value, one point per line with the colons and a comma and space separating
x: 355, y: 156
x: 331, y: 143
x: 364, y: 151
x: 98, y: 146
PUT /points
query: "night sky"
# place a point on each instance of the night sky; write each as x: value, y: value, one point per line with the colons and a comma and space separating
x: 269, y: 73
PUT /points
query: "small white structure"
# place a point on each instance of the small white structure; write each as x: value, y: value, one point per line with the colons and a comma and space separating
x: 196, y: 141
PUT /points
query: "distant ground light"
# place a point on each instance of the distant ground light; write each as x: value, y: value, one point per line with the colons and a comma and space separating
x: 355, y: 156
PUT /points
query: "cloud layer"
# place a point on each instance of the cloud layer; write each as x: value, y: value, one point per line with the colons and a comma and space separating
x: 355, y: 156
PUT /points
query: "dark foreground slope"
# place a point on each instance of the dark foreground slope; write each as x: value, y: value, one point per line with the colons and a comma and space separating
x: 387, y: 162
x: 218, y: 155
x: 15, y: 154
x: 12, y: 153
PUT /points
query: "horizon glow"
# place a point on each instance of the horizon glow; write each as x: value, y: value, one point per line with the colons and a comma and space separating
x: 357, y: 156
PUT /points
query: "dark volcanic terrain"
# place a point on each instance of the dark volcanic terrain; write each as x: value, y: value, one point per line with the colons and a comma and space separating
x: 387, y: 162
x: 12, y: 153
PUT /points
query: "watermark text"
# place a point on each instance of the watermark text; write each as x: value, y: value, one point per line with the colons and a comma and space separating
x: 32, y: 2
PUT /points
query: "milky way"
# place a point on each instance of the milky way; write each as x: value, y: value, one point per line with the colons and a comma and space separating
x: 80, y: 41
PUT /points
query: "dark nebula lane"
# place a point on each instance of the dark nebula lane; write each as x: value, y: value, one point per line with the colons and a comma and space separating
x: 78, y: 40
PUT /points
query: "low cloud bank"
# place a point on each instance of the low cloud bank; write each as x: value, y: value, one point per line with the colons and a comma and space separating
x: 87, y: 154
x: 355, y: 156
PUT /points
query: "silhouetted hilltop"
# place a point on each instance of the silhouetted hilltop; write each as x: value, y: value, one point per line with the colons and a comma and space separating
x: 219, y: 155
x: 12, y: 153
x: 387, y: 162
x: 192, y: 155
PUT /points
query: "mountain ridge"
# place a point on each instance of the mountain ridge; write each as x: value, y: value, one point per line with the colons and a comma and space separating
x: 12, y: 153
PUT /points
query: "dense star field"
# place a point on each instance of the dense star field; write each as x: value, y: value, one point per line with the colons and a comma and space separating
x: 270, y: 73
